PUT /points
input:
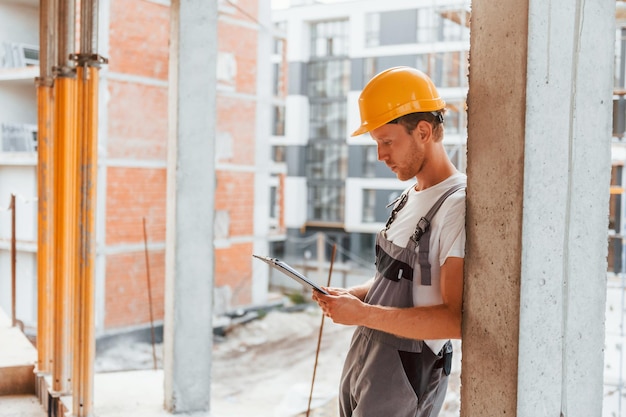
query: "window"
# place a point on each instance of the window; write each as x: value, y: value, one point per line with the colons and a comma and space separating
x: 375, y: 204
x: 278, y: 120
x: 370, y: 160
x: 279, y: 154
x: 327, y: 120
x: 329, y: 78
x: 327, y: 161
x: 369, y: 206
x: 423, y: 25
x: 446, y: 69
x: 455, y: 120
x: 328, y: 82
x: 330, y: 38
x: 326, y: 202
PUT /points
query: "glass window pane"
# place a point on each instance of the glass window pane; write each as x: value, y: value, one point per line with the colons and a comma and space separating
x: 446, y: 69
x: 372, y: 30
x: 329, y: 38
x: 327, y: 161
x: 326, y: 203
x: 278, y: 121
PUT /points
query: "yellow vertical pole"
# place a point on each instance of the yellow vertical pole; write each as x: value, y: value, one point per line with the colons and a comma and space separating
x: 45, y: 264
x: 88, y: 64
x: 65, y: 230
x: 85, y: 286
x: 45, y: 183
x: 65, y: 206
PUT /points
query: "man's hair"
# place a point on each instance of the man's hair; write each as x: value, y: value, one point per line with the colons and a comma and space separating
x: 410, y: 121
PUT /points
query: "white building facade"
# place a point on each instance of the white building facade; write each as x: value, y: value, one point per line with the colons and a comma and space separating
x: 334, y: 183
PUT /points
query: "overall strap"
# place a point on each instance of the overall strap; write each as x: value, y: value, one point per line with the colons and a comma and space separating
x: 422, y: 231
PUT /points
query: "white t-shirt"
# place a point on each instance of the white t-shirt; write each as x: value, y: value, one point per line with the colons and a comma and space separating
x: 447, y: 237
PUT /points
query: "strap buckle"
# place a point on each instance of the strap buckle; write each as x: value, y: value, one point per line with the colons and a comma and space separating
x: 422, y: 227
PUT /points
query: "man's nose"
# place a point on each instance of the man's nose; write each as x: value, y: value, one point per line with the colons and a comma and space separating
x: 381, y: 154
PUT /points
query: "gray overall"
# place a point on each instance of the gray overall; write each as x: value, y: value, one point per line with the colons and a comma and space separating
x: 386, y: 375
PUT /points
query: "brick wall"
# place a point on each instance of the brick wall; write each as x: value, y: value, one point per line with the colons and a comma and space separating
x: 236, y: 120
x: 136, y: 133
x: 233, y: 267
x: 137, y: 141
x: 127, y: 298
x: 132, y: 194
x: 137, y: 121
x: 139, y: 38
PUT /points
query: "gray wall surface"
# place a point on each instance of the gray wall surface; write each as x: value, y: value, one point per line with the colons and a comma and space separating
x: 539, y: 119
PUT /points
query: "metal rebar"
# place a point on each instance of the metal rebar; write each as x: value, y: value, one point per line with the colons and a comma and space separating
x: 145, y: 241
x: 48, y: 22
x: 13, y: 264
x: 319, y: 336
x: 66, y: 29
x: 89, y: 27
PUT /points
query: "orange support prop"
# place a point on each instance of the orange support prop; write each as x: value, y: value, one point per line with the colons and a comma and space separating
x: 84, y: 310
x: 45, y: 222
x: 66, y: 213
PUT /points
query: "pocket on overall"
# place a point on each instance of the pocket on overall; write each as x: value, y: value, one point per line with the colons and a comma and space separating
x: 391, y: 268
x: 418, y: 367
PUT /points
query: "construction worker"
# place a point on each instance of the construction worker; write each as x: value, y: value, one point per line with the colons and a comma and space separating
x: 400, y: 355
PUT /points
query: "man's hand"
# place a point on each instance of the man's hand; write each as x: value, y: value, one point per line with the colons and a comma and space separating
x: 441, y: 321
x: 341, y: 306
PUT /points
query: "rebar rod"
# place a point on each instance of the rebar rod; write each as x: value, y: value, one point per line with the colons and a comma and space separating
x: 319, y: 336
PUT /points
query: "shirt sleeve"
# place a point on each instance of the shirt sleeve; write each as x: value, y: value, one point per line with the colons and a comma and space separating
x: 452, y: 239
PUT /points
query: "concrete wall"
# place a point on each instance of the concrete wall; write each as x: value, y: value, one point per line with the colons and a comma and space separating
x: 538, y: 175
x: 495, y: 153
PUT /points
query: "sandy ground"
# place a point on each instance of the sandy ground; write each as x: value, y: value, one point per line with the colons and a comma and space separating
x: 264, y: 368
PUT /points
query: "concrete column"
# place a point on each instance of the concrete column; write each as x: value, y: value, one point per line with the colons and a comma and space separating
x: 190, y: 206
x: 539, y: 119
x: 263, y: 159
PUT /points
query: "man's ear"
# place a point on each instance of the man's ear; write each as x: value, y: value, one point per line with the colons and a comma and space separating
x: 424, y: 130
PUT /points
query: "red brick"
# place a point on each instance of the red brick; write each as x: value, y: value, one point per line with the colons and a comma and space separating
x: 235, y: 193
x: 229, y: 119
x: 132, y: 194
x: 233, y: 267
x: 237, y: 38
x: 127, y: 300
x: 139, y: 38
x: 137, y: 121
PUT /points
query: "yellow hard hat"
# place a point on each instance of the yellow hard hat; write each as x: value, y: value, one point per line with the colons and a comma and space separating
x: 393, y: 93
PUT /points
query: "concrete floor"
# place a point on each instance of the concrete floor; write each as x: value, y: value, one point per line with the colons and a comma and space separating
x: 119, y: 393
x: 21, y: 406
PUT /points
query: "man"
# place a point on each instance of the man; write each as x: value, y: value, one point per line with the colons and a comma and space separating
x: 399, y: 359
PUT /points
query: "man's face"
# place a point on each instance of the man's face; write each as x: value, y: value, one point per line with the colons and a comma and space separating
x: 402, y: 152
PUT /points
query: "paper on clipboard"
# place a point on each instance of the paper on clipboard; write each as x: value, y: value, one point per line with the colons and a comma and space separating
x: 290, y: 272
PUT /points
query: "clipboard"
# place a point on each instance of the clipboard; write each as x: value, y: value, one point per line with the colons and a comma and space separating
x: 290, y: 272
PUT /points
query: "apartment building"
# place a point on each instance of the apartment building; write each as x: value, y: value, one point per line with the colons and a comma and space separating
x: 333, y: 182
x: 132, y: 157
